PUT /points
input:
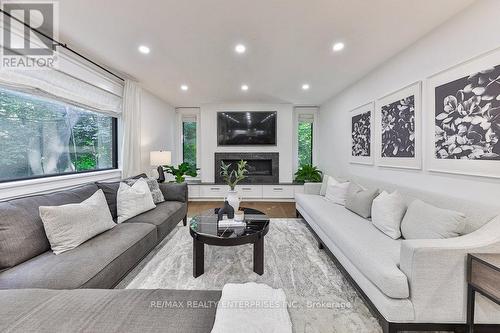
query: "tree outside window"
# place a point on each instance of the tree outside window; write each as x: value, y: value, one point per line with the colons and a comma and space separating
x: 305, y: 143
x: 189, y: 142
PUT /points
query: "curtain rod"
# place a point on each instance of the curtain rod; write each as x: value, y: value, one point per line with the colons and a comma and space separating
x: 57, y: 43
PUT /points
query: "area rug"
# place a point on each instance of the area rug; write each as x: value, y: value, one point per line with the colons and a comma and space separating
x: 320, y: 299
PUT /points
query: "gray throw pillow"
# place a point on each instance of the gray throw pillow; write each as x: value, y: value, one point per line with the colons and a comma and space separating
x: 425, y: 221
x: 70, y: 225
x: 153, y: 187
x: 359, y: 200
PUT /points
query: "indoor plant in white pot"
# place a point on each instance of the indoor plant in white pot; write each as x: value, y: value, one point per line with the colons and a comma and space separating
x: 232, y: 178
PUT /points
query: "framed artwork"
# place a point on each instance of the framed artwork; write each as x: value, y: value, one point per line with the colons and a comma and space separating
x: 398, y: 128
x: 463, y: 118
x: 362, y: 134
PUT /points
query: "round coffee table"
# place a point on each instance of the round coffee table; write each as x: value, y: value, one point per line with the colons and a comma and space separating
x: 205, y: 229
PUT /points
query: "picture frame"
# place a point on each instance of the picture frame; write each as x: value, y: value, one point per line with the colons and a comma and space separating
x: 462, y: 122
x: 362, y: 134
x: 398, y: 128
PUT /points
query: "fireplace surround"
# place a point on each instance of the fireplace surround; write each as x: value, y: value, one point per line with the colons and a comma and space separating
x: 263, y: 167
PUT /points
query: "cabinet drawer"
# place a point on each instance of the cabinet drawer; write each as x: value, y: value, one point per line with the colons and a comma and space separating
x: 213, y: 191
x: 277, y: 191
x: 249, y: 191
x: 193, y: 191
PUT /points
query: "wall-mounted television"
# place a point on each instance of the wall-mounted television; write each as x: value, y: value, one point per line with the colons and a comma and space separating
x: 246, y: 128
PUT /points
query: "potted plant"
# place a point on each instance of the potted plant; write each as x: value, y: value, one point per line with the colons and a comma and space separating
x: 308, y: 174
x: 232, y: 178
x: 182, y: 170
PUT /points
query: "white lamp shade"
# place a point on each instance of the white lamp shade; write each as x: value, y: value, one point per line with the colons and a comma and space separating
x: 160, y: 158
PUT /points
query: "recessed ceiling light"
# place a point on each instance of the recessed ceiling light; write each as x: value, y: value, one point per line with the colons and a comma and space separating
x: 144, y: 49
x: 306, y: 86
x: 240, y: 48
x: 338, y: 46
x: 184, y: 87
x: 244, y: 87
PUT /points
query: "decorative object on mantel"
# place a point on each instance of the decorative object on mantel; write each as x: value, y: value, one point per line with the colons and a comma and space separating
x: 232, y: 178
x: 160, y: 158
x: 362, y: 134
x: 308, y: 174
x: 182, y: 170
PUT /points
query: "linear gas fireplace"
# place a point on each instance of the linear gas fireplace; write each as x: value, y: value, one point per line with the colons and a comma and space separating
x: 263, y: 168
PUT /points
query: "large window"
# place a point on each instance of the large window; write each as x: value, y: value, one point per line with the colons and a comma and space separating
x: 305, y: 142
x: 45, y: 137
x: 189, y: 140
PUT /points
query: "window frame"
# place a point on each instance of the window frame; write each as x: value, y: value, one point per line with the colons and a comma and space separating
x: 301, y: 112
x: 184, y: 113
x: 114, y: 146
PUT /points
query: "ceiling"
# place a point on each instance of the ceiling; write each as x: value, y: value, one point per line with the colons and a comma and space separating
x: 289, y: 43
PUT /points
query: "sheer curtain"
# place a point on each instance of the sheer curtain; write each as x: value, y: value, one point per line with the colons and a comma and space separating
x: 131, y: 118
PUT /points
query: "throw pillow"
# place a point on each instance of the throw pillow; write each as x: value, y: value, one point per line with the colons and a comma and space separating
x: 154, y: 187
x: 110, y: 190
x: 425, y: 221
x: 336, y: 192
x: 387, y: 213
x: 359, y: 200
x: 324, y: 185
x: 133, y: 200
x: 70, y: 225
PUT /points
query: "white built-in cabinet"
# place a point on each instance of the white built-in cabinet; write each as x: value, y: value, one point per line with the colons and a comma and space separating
x: 257, y: 192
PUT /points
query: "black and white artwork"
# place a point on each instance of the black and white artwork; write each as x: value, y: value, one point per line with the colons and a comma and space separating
x: 398, y: 128
x: 467, y: 117
x: 361, y: 134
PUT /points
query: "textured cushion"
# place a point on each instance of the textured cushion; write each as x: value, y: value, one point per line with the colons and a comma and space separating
x: 68, y: 226
x: 174, y: 191
x: 100, y: 262
x: 22, y: 235
x: 359, y: 200
x: 387, y: 213
x: 425, y: 221
x: 110, y: 311
x: 369, y: 250
x: 324, y: 185
x: 165, y: 217
x: 110, y: 190
x: 153, y: 187
x: 336, y: 192
x: 133, y: 200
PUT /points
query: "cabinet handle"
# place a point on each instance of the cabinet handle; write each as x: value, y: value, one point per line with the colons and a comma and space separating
x: 246, y: 188
x: 215, y: 188
x: 278, y: 189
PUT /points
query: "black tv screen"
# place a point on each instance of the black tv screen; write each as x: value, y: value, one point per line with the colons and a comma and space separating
x: 246, y: 128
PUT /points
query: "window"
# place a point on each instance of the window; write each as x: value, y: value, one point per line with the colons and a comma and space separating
x: 305, y: 141
x: 189, y: 140
x: 42, y: 137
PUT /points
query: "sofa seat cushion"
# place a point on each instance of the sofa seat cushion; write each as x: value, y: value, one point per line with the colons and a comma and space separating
x: 98, y: 263
x: 165, y: 217
x: 371, y: 251
x: 110, y: 311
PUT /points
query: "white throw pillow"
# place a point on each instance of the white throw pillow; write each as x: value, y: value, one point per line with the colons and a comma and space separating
x: 387, y: 213
x: 336, y: 192
x: 324, y: 185
x: 425, y: 221
x: 70, y: 225
x: 133, y: 200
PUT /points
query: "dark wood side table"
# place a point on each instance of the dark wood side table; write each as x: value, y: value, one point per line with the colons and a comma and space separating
x: 483, y: 276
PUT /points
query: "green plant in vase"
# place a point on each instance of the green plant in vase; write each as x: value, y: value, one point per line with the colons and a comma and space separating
x: 232, y: 178
x: 308, y: 174
x: 182, y: 170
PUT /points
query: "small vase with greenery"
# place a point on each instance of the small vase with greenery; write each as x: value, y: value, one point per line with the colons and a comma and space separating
x: 308, y: 174
x: 232, y: 178
x: 182, y: 170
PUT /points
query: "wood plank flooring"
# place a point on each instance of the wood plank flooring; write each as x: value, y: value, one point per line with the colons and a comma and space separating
x: 272, y: 209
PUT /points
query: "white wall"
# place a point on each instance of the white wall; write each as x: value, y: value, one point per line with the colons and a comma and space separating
x: 208, y: 123
x: 470, y: 33
x: 158, y: 123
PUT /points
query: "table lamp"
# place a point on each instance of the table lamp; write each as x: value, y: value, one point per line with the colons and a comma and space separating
x: 159, y: 159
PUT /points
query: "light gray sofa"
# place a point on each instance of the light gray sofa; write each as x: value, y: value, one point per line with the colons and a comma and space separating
x: 409, y: 283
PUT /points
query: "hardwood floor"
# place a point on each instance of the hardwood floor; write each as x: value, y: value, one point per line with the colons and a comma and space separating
x: 272, y: 209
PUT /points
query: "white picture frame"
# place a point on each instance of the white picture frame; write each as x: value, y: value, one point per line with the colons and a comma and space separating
x: 413, y: 160
x: 363, y: 154
x: 433, y: 163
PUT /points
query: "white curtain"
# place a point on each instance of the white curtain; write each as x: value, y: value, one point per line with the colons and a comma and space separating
x: 131, y: 117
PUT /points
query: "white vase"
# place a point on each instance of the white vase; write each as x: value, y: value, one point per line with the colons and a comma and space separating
x: 233, y: 199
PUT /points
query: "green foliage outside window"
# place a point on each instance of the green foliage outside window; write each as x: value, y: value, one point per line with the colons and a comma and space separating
x: 189, y: 142
x: 305, y: 143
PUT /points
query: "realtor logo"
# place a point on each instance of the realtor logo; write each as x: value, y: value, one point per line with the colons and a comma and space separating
x: 29, y: 31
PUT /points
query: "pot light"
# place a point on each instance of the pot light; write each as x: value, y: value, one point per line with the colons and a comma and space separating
x: 306, y: 86
x: 144, y: 49
x: 240, y: 48
x: 338, y: 47
x: 184, y: 87
x: 244, y: 87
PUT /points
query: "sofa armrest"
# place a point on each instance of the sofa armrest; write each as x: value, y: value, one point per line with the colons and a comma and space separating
x: 436, y: 271
x: 312, y: 188
x: 174, y: 191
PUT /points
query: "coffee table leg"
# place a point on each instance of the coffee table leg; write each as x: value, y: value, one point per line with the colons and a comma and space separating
x: 198, y: 258
x: 258, y: 256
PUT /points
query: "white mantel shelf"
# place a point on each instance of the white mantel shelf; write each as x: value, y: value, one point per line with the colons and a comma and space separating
x: 254, y: 192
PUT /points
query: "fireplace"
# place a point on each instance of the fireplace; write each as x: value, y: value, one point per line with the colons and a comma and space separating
x: 263, y: 168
